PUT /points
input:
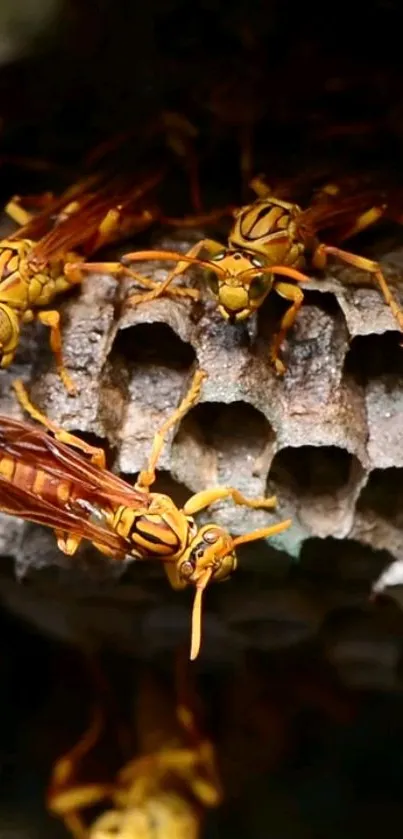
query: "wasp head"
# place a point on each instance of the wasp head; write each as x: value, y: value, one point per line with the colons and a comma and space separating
x: 239, y: 282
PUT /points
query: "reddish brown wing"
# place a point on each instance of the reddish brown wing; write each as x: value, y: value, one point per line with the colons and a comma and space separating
x: 32, y: 446
x: 338, y: 213
x: 16, y: 501
x: 80, y: 228
x: 38, y: 448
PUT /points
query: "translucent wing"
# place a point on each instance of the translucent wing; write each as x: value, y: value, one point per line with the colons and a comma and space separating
x: 38, y: 448
x: 16, y: 501
x: 61, y: 228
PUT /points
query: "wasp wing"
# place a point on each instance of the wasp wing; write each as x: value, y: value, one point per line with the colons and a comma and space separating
x: 38, y: 448
x: 77, y: 228
x: 338, y: 213
x: 21, y: 502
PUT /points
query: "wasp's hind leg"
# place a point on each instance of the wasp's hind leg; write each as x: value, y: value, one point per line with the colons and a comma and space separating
x: 363, y: 264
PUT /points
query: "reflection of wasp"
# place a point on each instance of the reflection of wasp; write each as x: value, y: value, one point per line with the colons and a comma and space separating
x: 45, y: 481
x: 273, y: 237
x: 35, y: 262
x: 162, y: 793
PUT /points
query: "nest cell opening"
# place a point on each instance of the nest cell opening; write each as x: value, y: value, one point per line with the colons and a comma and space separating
x: 374, y: 356
x: 383, y: 495
x: 153, y: 343
x: 312, y: 470
x: 229, y: 444
x: 237, y: 428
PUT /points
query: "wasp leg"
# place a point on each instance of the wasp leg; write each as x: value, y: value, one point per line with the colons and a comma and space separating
x: 52, y: 320
x: 296, y: 296
x: 206, y: 497
x: 66, y: 800
x: 188, y: 765
x: 211, y: 246
x: 66, y: 543
x: 75, y: 274
x: 109, y: 226
x: 147, y: 476
x: 373, y: 268
x: 17, y: 213
x: 260, y: 188
x: 363, y: 221
x: 96, y: 455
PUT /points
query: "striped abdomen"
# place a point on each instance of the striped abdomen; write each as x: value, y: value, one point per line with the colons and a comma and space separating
x: 37, y: 481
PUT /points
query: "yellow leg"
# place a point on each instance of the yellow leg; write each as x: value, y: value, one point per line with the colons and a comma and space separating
x: 64, y: 799
x: 206, y: 497
x: 108, y: 230
x: 363, y: 221
x: 52, y: 320
x: 373, y: 268
x: 147, y: 476
x: 96, y: 455
x: 17, y: 213
x: 75, y: 274
x: 260, y: 188
x: 296, y: 296
x: 190, y: 766
x: 209, y: 244
x: 66, y: 543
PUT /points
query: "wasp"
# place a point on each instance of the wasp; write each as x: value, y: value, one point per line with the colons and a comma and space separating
x: 37, y: 266
x: 163, y: 792
x: 36, y: 262
x: 270, y: 243
x: 46, y: 479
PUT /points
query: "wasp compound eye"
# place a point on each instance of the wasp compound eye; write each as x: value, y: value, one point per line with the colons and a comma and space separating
x: 211, y: 536
x: 259, y: 286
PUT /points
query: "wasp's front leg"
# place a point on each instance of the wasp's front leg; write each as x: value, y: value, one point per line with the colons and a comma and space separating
x: 147, y: 476
x: 52, y: 320
x: 76, y: 271
x: 296, y: 296
x: 210, y: 245
x: 363, y: 264
x: 18, y: 213
x: 96, y: 455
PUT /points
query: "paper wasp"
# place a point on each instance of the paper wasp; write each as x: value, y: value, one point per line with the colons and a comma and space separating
x: 272, y: 238
x: 44, y: 480
x: 160, y: 794
x: 36, y: 261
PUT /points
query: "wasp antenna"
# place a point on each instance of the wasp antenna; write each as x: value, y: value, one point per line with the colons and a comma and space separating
x: 262, y: 533
x: 170, y: 256
x: 284, y: 270
x: 197, y: 614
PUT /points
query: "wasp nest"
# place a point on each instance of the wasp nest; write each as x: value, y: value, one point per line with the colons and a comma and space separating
x: 327, y: 439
